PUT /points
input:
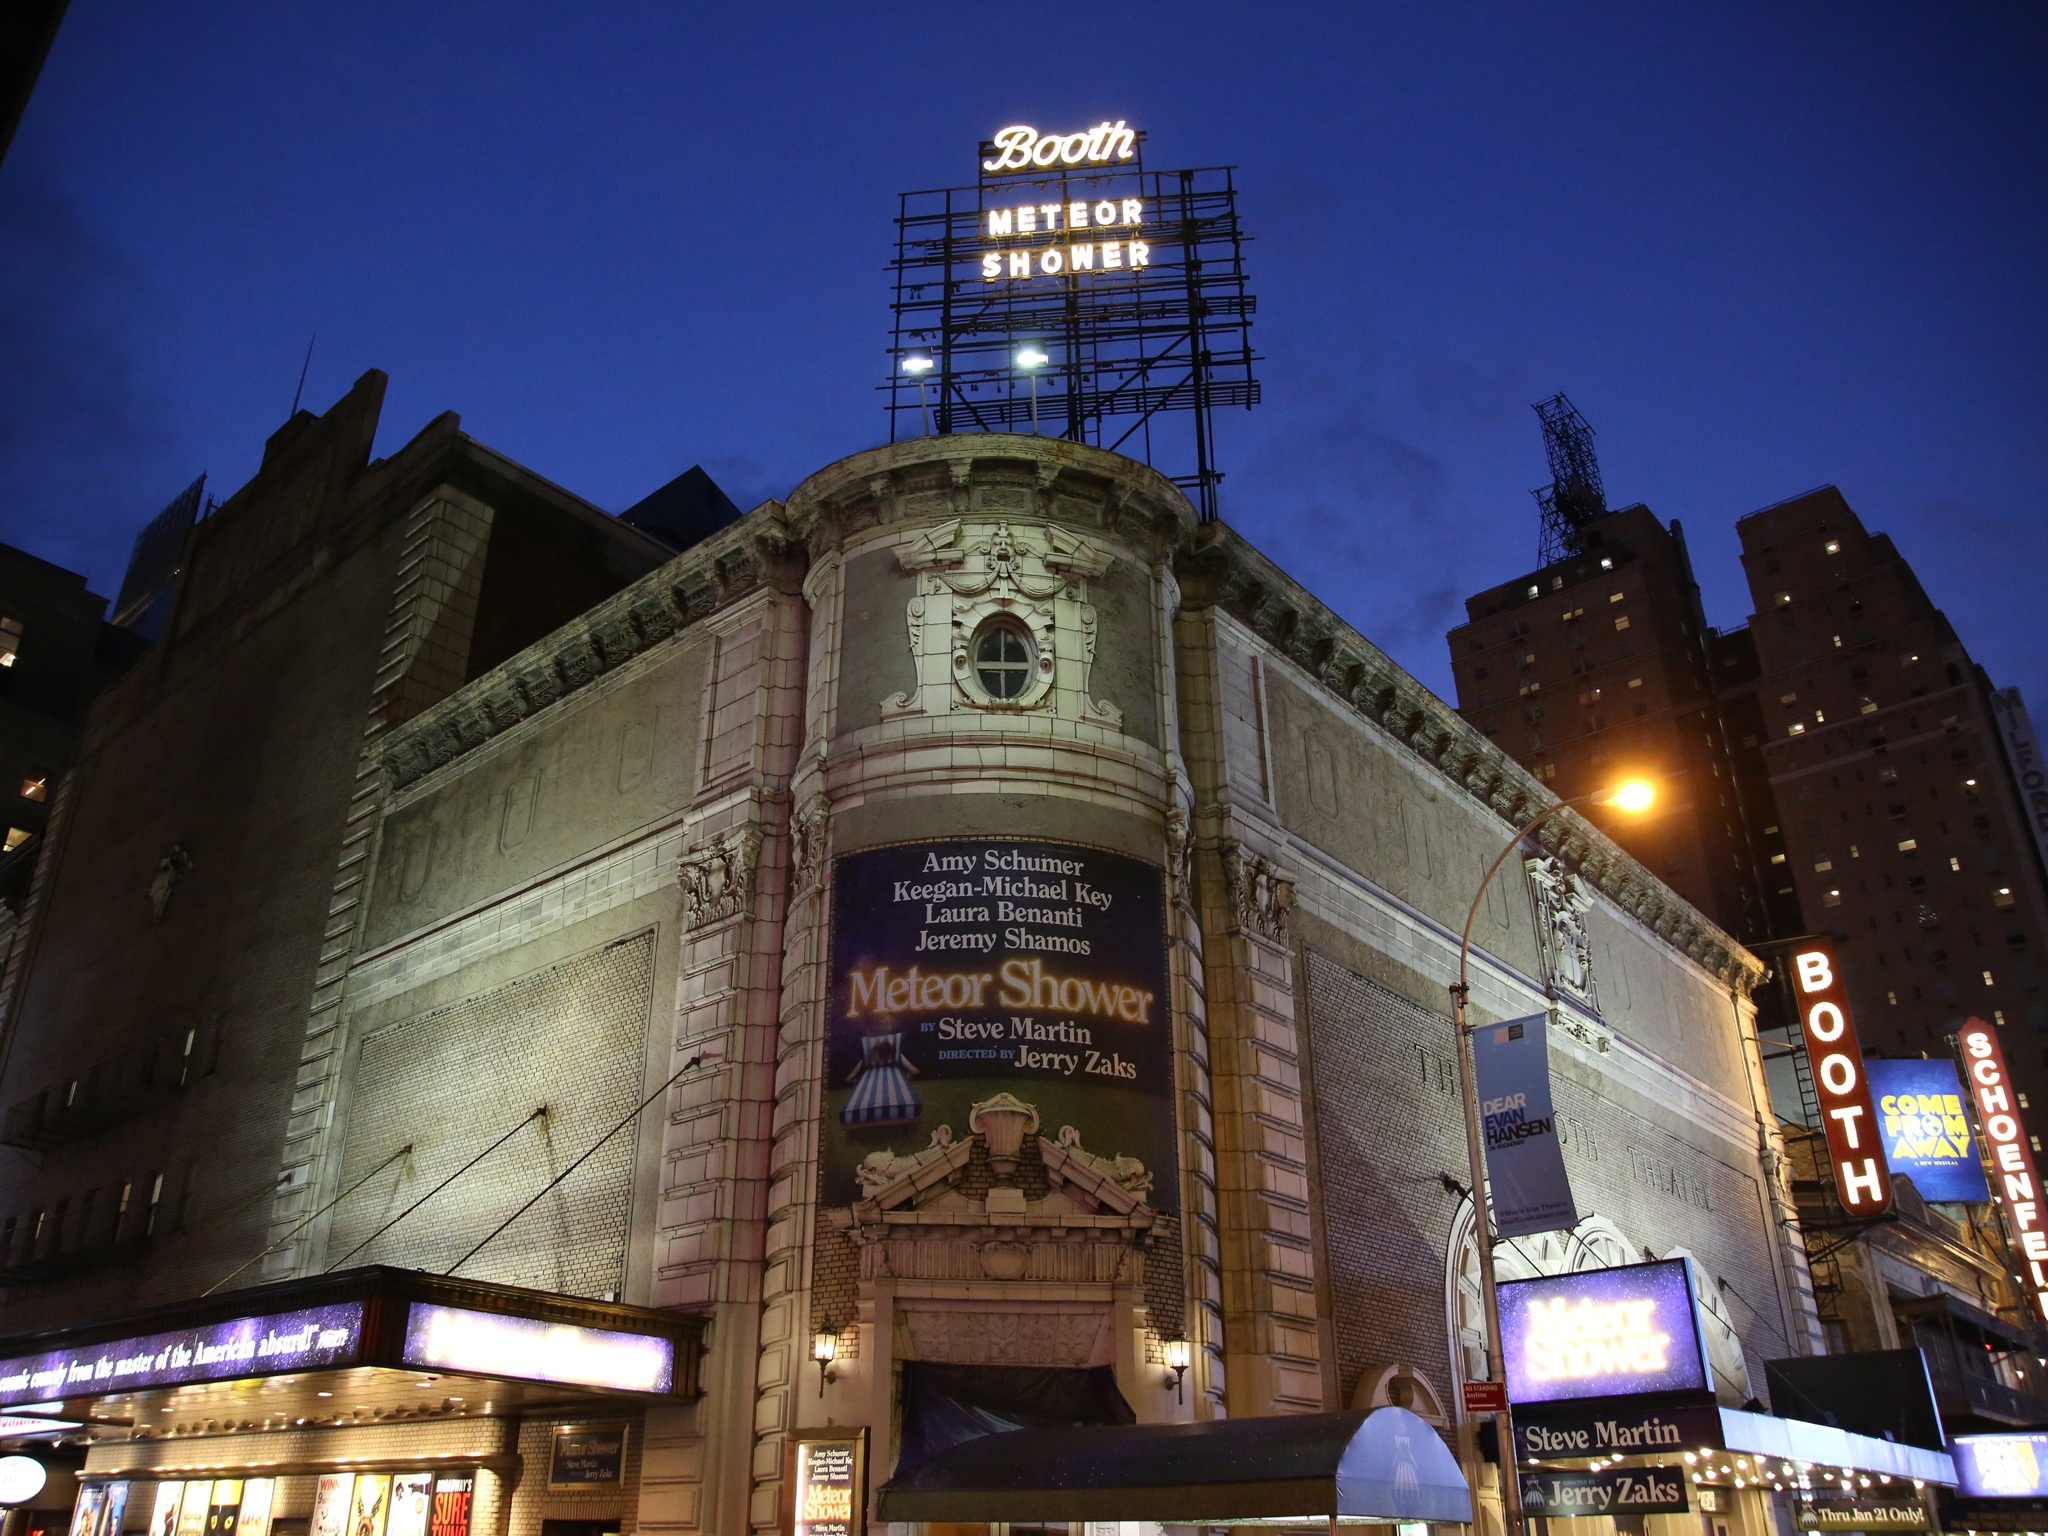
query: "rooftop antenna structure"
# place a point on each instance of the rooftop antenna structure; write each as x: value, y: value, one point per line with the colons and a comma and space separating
x: 1574, y: 496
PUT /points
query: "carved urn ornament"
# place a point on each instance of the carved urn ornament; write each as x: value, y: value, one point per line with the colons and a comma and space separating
x: 1003, y: 1122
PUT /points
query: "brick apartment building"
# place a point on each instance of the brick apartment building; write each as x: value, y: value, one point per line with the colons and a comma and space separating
x: 1599, y: 666
x: 1900, y: 826
x: 1837, y: 764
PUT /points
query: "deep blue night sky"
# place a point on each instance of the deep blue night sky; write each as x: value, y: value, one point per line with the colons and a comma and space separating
x: 1762, y: 247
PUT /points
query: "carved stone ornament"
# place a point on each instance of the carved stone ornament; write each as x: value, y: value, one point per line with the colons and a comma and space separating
x: 1562, y: 902
x: 174, y: 866
x: 718, y: 877
x: 1179, y: 844
x: 1033, y: 575
x: 807, y: 829
x: 1259, y: 894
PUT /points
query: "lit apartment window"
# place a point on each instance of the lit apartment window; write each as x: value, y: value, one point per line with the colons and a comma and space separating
x: 1797, y: 728
x: 1635, y: 682
x: 1831, y: 898
x: 1622, y: 622
x: 1892, y: 998
x: 16, y: 836
x: 1615, y: 597
x: 1955, y: 863
x: 1834, y: 546
x: 1908, y: 844
x: 1781, y: 598
x: 35, y: 789
x: 2002, y: 897
x: 1987, y: 978
x: 1777, y: 858
x: 10, y: 641
x: 1909, y: 658
x: 1820, y: 717
x: 1789, y: 698
x: 1822, y: 866
x: 1535, y: 591
x: 1853, y: 852
x: 1867, y: 707
x: 1838, y: 641
x: 1606, y: 562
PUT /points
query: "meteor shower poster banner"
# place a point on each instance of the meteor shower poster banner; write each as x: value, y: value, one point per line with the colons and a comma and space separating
x: 976, y: 966
x: 1524, y: 1160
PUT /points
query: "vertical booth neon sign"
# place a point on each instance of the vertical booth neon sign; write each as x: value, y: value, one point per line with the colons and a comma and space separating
x: 1862, y: 1180
x: 1998, y: 1118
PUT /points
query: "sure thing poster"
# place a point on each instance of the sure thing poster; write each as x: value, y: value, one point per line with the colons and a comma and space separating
x: 970, y: 967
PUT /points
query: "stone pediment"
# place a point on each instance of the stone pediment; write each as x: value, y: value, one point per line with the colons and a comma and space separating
x: 1001, y: 1204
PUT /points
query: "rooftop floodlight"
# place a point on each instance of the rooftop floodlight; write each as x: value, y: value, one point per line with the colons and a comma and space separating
x: 1030, y: 359
x: 917, y: 367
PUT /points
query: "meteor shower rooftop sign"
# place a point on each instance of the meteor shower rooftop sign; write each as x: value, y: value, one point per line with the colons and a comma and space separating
x: 1073, y: 292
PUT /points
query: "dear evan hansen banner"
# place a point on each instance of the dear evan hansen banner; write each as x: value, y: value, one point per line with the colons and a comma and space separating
x: 1926, y: 1128
x: 1524, y: 1160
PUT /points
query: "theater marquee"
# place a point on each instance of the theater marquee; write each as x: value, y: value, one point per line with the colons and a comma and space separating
x: 970, y: 967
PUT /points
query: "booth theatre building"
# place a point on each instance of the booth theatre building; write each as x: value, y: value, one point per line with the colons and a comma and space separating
x: 606, y: 1034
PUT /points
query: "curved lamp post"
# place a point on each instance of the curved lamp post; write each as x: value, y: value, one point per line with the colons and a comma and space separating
x: 1630, y: 795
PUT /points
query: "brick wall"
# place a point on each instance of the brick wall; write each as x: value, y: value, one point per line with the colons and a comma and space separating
x: 450, y: 1082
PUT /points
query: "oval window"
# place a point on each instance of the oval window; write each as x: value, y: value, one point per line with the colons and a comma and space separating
x: 1002, y: 660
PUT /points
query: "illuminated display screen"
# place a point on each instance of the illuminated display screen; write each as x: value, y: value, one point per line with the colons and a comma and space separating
x: 2001, y: 1466
x: 525, y: 1348
x: 245, y: 1346
x: 1603, y: 1333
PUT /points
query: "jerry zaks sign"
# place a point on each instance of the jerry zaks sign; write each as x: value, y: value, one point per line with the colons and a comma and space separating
x: 1862, y: 1181
x: 2018, y: 1187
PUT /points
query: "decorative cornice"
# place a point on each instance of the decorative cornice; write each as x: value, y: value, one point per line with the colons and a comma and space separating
x: 730, y: 565
x: 989, y: 475
x: 1222, y: 570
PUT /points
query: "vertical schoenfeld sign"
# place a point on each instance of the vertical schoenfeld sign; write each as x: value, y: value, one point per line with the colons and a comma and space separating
x: 969, y: 967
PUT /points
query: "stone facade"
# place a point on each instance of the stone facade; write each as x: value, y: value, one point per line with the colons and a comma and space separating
x: 606, y: 865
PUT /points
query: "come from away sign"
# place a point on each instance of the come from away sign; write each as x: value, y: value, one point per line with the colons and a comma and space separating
x: 1611, y: 1491
x: 1926, y: 1127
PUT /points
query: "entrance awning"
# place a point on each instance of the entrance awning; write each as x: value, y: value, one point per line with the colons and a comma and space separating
x: 370, y: 1324
x: 1384, y: 1465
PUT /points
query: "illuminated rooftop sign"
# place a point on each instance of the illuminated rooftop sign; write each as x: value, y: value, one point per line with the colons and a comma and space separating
x: 247, y: 1346
x: 1026, y: 149
x: 1603, y: 1333
x: 528, y: 1349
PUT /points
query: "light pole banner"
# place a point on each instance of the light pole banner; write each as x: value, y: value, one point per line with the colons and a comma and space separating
x: 1524, y: 1159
